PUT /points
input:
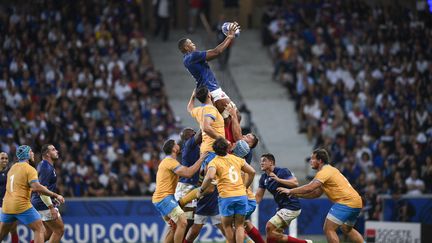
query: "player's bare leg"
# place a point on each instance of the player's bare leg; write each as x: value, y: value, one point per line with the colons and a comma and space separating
x: 239, y: 228
x: 57, y: 229
x: 330, y: 231
x: 219, y: 226
x: 353, y: 234
x: 274, y: 233
x: 169, y: 238
x: 227, y: 226
x: 180, y: 229
x: 39, y: 231
x: 14, y: 233
x: 5, y: 228
x: 193, y: 232
x: 48, y: 233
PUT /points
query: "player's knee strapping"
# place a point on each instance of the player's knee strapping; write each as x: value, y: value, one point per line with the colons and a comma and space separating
x: 189, y: 197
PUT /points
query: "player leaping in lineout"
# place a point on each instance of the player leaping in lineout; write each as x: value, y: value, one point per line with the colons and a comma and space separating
x: 196, y: 63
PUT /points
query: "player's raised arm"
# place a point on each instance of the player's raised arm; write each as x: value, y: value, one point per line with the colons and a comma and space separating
x: 191, y: 103
x: 213, y: 53
x: 188, y: 172
x: 208, y: 129
x: 236, y: 128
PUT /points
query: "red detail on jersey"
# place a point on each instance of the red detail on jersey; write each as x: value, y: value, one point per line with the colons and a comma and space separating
x: 228, y: 132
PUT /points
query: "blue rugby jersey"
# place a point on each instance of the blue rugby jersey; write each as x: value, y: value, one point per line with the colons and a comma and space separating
x: 195, y: 62
x: 47, y: 177
x: 190, y: 154
x: 282, y: 200
x: 3, y: 181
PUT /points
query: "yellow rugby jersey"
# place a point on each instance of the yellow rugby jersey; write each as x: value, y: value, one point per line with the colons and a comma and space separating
x: 199, y: 113
x: 18, y: 191
x: 228, y: 175
x: 166, y: 179
x: 337, y: 187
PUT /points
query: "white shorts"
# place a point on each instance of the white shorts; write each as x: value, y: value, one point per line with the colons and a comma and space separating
x: 218, y: 94
x: 181, y: 190
x: 174, y: 215
x: 46, y: 214
x: 283, y: 217
x: 202, y: 219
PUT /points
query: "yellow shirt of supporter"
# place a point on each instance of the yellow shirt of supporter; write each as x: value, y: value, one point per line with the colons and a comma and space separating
x: 337, y: 187
x: 166, y: 179
x: 18, y: 191
x: 228, y: 175
x: 199, y: 113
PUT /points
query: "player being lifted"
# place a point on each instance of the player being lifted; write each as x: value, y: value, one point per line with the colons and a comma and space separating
x: 196, y: 63
x: 348, y: 202
x: 22, y: 180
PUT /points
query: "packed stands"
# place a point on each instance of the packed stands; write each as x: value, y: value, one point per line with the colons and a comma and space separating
x: 361, y: 78
x: 79, y: 75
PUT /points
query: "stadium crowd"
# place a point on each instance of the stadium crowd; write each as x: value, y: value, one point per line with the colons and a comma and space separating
x: 361, y: 78
x: 79, y: 75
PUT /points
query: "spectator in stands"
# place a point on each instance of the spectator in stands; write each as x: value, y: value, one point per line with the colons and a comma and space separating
x: 415, y: 185
x: 88, y: 86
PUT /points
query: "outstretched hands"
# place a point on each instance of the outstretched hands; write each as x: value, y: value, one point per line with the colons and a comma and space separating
x: 232, y: 29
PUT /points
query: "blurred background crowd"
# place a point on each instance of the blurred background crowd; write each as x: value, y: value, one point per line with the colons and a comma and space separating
x: 79, y: 75
x: 361, y: 78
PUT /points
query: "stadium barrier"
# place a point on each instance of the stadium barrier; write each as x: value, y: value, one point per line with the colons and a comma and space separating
x: 135, y: 219
x: 408, y: 208
x: 377, y: 231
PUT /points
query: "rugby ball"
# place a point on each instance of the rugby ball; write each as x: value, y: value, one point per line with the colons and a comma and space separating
x: 225, y: 28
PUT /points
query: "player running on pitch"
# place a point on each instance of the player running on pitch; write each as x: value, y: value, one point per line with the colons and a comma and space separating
x: 348, y: 202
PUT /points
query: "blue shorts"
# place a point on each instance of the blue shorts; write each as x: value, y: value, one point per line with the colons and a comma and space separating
x: 250, y: 208
x: 27, y: 217
x: 233, y: 205
x: 166, y: 205
x: 341, y: 214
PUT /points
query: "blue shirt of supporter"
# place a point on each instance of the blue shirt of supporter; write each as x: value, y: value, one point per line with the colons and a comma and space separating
x: 48, y: 178
x: 3, y: 181
x: 190, y: 154
x: 196, y: 64
x: 282, y: 200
